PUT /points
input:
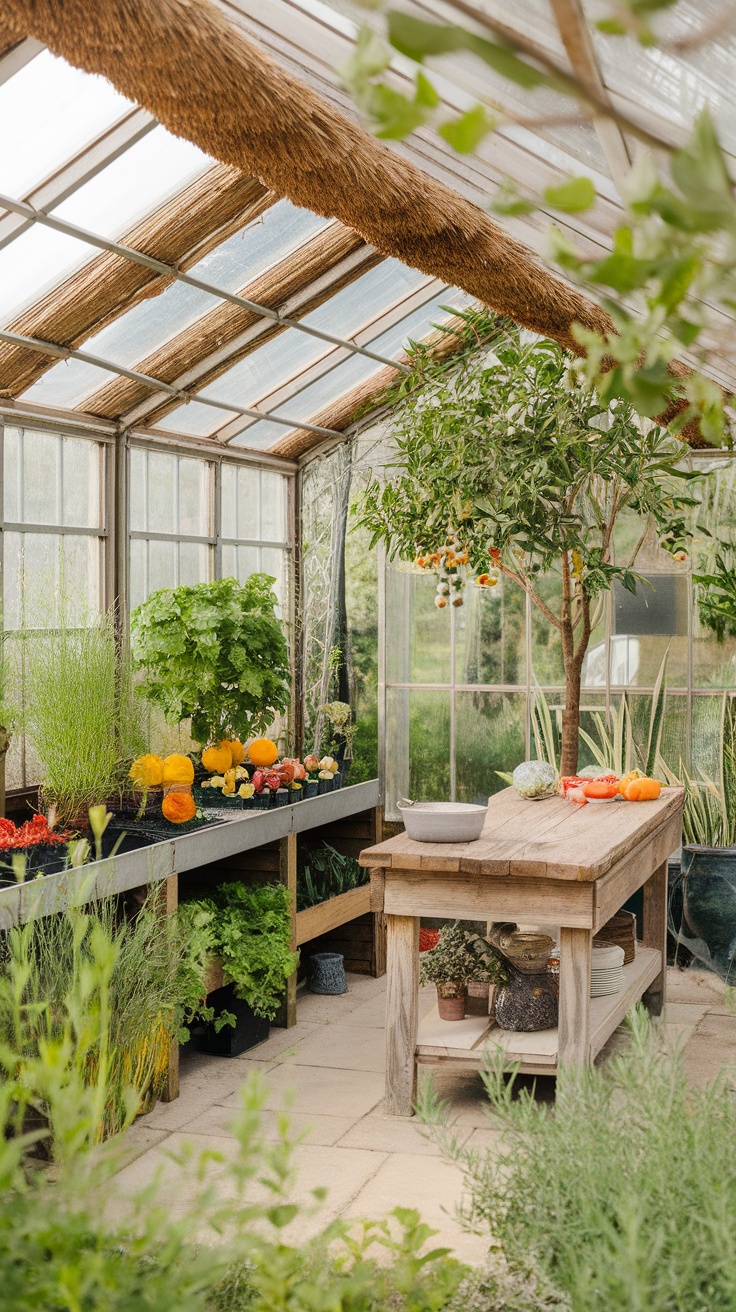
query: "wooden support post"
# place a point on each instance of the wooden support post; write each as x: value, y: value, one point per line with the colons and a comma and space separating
x: 573, y: 1035
x: 402, y: 1014
x: 287, y: 875
x: 378, y: 964
x: 169, y: 901
x: 654, y: 935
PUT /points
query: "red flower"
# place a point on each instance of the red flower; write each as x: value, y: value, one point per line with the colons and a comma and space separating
x: 428, y: 939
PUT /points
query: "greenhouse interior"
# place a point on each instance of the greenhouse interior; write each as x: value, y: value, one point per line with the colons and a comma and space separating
x: 367, y: 375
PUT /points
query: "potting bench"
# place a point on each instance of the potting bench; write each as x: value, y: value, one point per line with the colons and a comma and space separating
x: 547, y: 862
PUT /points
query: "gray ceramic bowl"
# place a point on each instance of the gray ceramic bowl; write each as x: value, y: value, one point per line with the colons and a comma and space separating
x: 443, y: 822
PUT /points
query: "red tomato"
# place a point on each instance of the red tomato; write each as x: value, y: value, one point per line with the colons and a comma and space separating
x: 601, y: 788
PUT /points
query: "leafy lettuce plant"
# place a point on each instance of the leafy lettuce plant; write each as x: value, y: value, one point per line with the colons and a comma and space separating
x: 215, y: 653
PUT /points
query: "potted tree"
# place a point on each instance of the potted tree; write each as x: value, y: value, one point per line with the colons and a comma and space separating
x: 449, y: 966
x: 216, y: 654
x: 506, y: 464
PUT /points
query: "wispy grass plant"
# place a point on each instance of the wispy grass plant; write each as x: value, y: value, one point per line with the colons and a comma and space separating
x: 80, y: 712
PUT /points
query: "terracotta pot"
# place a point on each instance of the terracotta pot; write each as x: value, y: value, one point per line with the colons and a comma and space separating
x: 451, y: 1008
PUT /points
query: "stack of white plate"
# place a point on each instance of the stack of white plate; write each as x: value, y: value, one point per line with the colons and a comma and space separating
x: 607, y: 971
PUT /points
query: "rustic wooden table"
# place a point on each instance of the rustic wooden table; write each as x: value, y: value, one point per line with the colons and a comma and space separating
x: 548, y: 862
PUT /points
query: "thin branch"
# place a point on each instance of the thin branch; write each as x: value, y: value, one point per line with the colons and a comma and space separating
x: 524, y: 583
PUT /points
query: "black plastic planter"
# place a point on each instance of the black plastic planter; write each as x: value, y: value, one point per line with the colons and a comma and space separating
x: 703, y: 907
x: 248, y: 1031
x: 310, y: 788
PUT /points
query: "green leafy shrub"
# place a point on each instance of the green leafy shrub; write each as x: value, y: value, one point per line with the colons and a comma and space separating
x: 323, y: 873
x: 251, y: 936
x: 624, y: 1193
x: 215, y: 653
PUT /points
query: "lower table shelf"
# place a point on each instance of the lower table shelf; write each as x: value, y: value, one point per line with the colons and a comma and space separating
x: 464, y: 1042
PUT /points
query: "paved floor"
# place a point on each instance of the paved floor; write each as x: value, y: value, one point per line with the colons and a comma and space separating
x: 331, y: 1063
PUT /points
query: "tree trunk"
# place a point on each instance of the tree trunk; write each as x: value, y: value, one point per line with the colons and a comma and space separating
x: 571, y: 720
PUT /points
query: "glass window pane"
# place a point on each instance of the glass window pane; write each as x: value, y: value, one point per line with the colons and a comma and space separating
x: 418, y: 727
x: 273, y: 507
x: 138, y: 490
x: 162, y: 493
x: 48, y: 112
x: 194, y: 563
x: 273, y: 563
x: 81, y: 469
x: 417, y: 633
x: 38, y: 566
x: 228, y: 501
x: 135, y: 184
x: 490, y: 633
x: 194, y: 501
x: 490, y: 734
x: 163, y: 565
x: 146, y: 327
x: 138, y: 582
x: 41, y: 480
x: 248, y: 509
x: 12, y: 474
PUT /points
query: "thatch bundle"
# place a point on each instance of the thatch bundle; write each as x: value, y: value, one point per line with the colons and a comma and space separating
x: 204, y: 80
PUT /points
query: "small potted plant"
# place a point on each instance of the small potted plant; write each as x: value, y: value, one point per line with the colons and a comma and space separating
x: 487, y: 974
x: 449, y: 966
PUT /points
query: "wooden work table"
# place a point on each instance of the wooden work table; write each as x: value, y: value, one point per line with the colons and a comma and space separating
x: 549, y: 862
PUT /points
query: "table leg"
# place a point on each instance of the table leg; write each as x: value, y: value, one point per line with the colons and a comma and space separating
x: 573, y: 1041
x: 402, y: 1014
x: 654, y: 935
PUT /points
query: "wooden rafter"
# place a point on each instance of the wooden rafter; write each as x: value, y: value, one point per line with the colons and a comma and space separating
x: 180, y: 232
x: 578, y: 42
x: 315, y: 271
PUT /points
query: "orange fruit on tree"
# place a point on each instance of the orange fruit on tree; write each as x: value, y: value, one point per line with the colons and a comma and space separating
x: 263, y: 752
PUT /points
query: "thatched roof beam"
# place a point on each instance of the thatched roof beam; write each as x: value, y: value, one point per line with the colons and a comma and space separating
x: 203, y: 79
x: 14, y: 53
x: 299, y: 283
x: 180, y: 232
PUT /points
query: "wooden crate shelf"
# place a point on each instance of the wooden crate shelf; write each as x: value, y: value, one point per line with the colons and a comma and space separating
x: 464, y: 1042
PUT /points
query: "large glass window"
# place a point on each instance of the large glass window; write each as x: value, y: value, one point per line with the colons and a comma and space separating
x: 54, y: 548
x: 171, y: 522
x: 254, y: 525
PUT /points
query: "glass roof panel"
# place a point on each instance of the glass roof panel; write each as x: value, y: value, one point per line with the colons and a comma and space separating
x: 231, y: 265
x: 48, y: 112
x: 337, y: 381
x: 291, y: 352
x: 133, y: 185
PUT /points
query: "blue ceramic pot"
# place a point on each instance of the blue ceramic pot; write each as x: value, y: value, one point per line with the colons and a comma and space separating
x: 708, y: 890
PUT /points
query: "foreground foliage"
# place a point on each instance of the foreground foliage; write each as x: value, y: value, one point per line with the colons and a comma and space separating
x: 623, y: 1194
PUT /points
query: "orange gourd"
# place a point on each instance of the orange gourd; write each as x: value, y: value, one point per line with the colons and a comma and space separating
x: 643, y: 790
x: 263, y: 752
x: 217, y: 759
x: 178, y: 807
x: 178, y: 770
x: 629, y: 778
x: 147, y: 771
x: 237, y: 751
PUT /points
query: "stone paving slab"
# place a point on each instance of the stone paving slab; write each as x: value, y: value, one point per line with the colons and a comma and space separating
x: 329, y: 1067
